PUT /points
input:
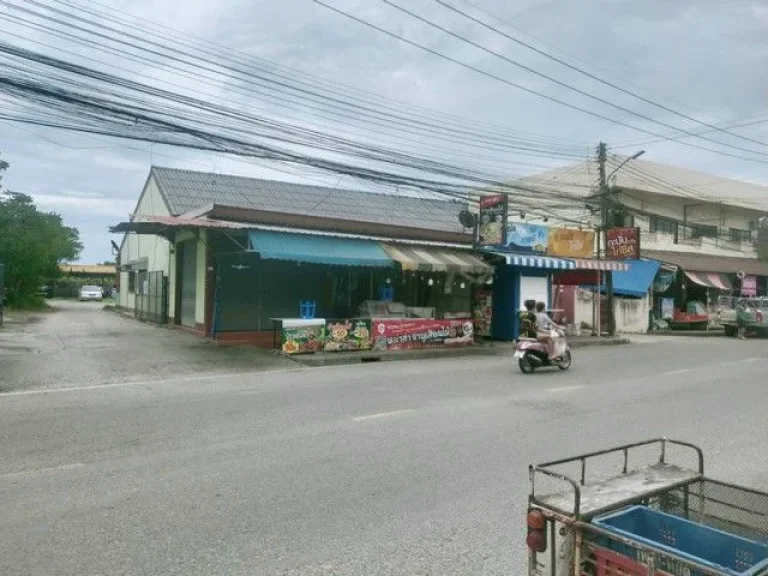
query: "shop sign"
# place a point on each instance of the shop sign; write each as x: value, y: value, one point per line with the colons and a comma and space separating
x: 749, y: 286
x: 523, y: 237
x: 303, y: 339
x: 622, y: 243
x: 493, y: 216
x: 571, y: 243
x: 421, y: 333
x: 354, y: 334
x: 667, y: 308
x: 482, y: 311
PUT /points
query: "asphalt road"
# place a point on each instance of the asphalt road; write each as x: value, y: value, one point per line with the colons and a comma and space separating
x: 403, y: 468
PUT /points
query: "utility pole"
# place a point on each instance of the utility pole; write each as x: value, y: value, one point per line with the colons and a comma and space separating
x: 605, y: 223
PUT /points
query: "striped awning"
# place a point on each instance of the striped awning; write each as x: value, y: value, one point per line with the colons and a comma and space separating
x: 534, y: 261
x: 710, y: 280
x: 604, y: 265
x: 436, y: 259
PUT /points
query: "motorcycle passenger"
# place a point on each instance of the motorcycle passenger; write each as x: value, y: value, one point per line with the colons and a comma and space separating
x: 544, y: 327
x: 528, y: 320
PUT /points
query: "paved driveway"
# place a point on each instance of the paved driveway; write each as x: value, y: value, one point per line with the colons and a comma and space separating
x: 81, y: 344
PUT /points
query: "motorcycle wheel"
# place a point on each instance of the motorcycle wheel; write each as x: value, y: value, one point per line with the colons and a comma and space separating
x: 526, y: 365
x: 565, y: 361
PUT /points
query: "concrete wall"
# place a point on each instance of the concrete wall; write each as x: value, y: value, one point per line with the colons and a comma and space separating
x: 136, y: 246
x: 631, y: 314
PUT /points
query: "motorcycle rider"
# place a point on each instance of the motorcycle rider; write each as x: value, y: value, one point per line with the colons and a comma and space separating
x: 528, y: 320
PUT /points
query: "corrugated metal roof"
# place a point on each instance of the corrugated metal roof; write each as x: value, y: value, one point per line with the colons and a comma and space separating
x: 186, y: 190
x: 88, y: 269
x: 693, y: 262
x: 581, y: 180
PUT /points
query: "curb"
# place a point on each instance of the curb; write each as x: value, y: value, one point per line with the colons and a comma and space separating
x: 343, y: 359
x: 689, y: 333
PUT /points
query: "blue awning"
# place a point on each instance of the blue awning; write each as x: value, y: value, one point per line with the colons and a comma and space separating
x: 316, y: 249
x: 533, y: 260
x: 637, y: 280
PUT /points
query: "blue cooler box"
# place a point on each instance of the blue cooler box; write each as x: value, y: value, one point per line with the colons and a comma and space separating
x: 727, y: 553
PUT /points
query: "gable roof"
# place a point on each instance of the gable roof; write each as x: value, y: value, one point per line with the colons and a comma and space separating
x: 582, y: 179
x: 187, y: 190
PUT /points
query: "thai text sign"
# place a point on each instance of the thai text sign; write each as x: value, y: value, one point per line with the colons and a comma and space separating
x: 622, y: 243
x: 418, y: 333
x: 749, y: 286
x: 571, y: 243
x: 493, y: 215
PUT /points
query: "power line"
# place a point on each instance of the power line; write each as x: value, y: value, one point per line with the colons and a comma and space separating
x: 594, y: 76
x: 565, y: 84
x: 526, y: 89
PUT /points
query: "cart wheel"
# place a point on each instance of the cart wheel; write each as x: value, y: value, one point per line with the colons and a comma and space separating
x: 565, y: 362
x: 526, y: 366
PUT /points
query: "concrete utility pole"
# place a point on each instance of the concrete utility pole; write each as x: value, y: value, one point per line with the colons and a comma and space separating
x: 605, y: 223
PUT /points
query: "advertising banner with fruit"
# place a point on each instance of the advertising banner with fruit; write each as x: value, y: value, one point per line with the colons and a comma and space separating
x: 348, y: 334
x: 417, y: 333
x: 303, y: 339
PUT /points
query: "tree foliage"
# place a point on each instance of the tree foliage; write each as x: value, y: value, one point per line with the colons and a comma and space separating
x: 32, y: 245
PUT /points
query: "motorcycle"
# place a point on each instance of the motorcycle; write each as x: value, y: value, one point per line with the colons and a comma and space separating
x: 531, y: 354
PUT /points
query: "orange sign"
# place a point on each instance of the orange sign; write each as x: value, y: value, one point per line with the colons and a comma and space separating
x: 571, y: 243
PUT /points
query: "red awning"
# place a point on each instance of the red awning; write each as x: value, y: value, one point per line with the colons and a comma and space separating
x: 710, y: 280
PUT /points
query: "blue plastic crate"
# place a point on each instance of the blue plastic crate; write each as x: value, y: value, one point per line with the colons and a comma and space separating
x: 727, y: 553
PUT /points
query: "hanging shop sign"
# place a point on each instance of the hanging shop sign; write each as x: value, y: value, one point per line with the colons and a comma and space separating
x: 749, y: 286
x: 493, y: 216
x: 531, y: 238
x: 667, y: 308
x: 353, y: 334
x: 482, y: 311
x: 395, y: 334
x: 570, y: 243
x: 622, y: 243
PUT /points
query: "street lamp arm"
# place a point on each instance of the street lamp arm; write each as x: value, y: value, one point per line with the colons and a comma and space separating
x: 620, y: 166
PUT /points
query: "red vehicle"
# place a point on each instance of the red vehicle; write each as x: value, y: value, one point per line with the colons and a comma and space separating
x: 694, y: 317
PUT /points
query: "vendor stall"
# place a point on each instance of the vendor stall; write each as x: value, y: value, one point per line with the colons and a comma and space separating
x: 377, y: 296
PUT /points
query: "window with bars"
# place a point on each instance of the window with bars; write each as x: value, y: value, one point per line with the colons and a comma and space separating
x: 662, y: 225
x: 738, y: 235
x: 703, y: 231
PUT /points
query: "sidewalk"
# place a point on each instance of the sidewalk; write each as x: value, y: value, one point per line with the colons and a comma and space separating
x: 483, y: 349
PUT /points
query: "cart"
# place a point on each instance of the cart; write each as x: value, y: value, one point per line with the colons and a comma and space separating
x: 643, y: 509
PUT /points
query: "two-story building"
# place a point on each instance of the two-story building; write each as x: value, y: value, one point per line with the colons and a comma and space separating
x: 702, y: 228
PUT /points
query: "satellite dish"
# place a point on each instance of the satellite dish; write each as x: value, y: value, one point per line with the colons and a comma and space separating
x: 467, y: 219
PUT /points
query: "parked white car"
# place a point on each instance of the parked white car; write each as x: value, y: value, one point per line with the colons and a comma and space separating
x: 90, y: 293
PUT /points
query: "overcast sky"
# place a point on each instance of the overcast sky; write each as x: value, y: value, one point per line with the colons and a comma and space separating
x: 706, y: 58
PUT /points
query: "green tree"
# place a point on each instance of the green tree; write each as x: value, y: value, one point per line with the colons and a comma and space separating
x: 32, y: 245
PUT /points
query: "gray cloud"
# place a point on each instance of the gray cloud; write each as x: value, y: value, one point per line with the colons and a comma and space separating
x: 705, y: 57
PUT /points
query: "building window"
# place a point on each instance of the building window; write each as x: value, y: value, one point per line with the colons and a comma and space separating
x: 662, y: 225
x: 703, y: 231
x: 738, y: 235
x: 131, y: 282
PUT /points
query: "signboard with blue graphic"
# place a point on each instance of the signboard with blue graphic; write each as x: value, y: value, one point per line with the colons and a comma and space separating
x: 531, y: 238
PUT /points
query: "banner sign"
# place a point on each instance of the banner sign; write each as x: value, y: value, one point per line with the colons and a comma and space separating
x: 354, y: 334
x: 482, y: 311
x: 493, y: 216
x: 420, y: 333
x: 622, y: 243
x: 303, y: 339
x: 570, y: 243
x: 529, y: 238
x: 749, y: 286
